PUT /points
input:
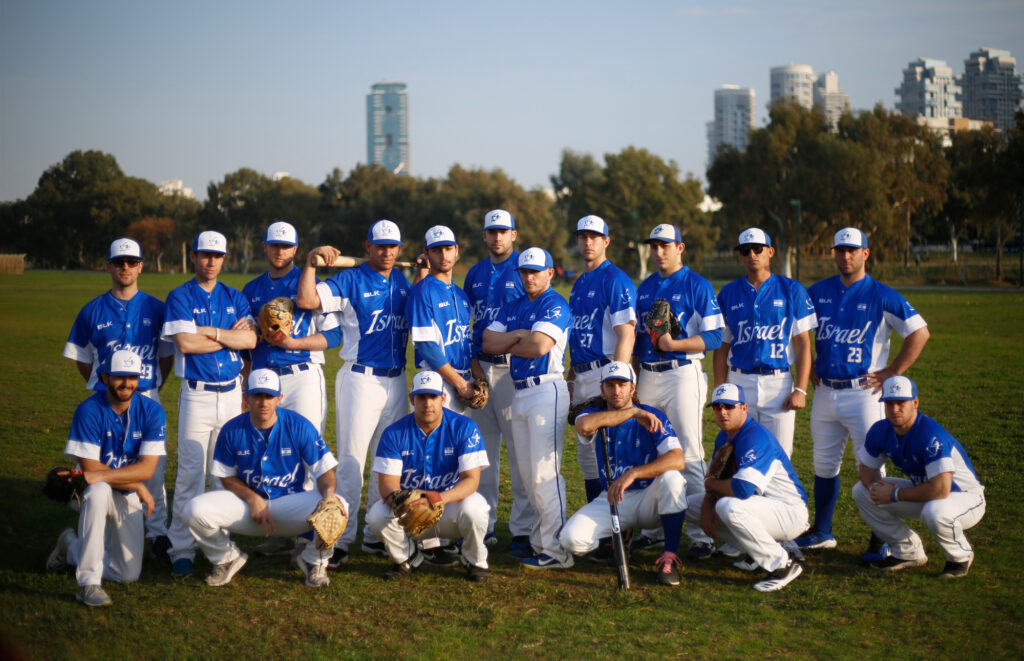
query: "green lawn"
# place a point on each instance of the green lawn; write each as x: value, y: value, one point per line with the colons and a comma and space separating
x: 970, y: 380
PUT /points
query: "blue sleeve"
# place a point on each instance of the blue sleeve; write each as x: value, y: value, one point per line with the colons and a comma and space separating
x: 242, y: 309
x: 433, y: 354
x: 712, y: 339
x: 223, y: 453
x: 333, y: 337
x: 742, y: 489
x: 177, y: 308
x: 156, y: 424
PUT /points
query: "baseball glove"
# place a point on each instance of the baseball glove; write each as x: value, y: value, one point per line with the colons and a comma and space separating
x: 589, y: 403
x: 276, y: 319
x: 660, y: 320
x: 481, y: 393
x: 417, y: 510
x: 63, y: 484
x: 723, y: 464
x: 328, y: 520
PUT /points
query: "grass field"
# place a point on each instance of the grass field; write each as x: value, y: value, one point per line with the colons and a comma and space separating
x: 970, y: 380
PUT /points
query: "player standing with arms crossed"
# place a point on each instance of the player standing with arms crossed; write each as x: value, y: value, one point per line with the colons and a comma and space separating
x: 535, y: 330
x: 856, y: 316
x: 210, y: 323
x: 768, y: 320
x: 670, y: 375
x: 370, y: 388
x: 602, y: 301
x: 126, y: 318
x: 490, y: 285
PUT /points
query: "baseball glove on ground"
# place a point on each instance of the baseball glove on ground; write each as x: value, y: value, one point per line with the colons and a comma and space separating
x: 481, y: 393
x: 417, y: 510
x: 276, y: 319
x: 661, y: 320
x: 589, y: 403
x: 63, y: 484
x: 328, y: 520
x: 723, y: 464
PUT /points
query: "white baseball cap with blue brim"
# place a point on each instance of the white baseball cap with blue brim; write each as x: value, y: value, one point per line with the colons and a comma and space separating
x: 898, y: 389
x: 753, y: 236
x: 499, y: 219
x: 384, y: 233
x: 282, y: 233
x: 728, y: 393
x: 592, y: 223
x: 438, y: 236
x: 618, y: 370
x: 665, y: 233
x: 535, y: 259
x: 124, y: 249
x: 210, y: 241
x: 123, y: 363
x: 427, y: 383
x: 850, y: 237
x: 263, y: 382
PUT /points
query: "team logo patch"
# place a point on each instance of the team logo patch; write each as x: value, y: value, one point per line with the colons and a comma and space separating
x: 778, y: 303
x: 677, y: 297
x: 230, y: 310
x: 862, y: 306
x: 933, y: 447
x: 749, y: 457
x: 448, y: 452
x: 286, y: 452
x: 553, y: 313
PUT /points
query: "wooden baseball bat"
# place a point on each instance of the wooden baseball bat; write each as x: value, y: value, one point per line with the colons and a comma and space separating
x: 618, y: 546
x: 343, y: 262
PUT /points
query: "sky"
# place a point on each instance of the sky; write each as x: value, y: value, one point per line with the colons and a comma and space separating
x: 196, y: 90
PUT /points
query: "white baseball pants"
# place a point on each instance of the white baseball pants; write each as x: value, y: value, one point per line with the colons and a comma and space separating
x: 305, y: 393
x: 585, y: 386
x: 836, y: 415
x: 156, y: 523
x: 110, y: 536
x: 466, y: 519
x: 766, y: 393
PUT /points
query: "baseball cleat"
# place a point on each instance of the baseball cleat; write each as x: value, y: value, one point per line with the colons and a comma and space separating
x: 892, y: 563
x: 700, y: 551
x: 477, y: 574
x: 338, y: 558
x: 93, y: 596
x: 520, y: 547
x: 316, y: 575
x: 276, y: 546
x: 442, y: 556
x: 793, y: 550
x: 59, y: 556
x: 668, y: 564
x: 374, y: 548
x: 545, y: 561
x: 182, y: 568
x: 876, y: 553
x: 403, y: 569
x: 815, y: 539
x: 956, y: 569
x: 779, y: 578
x: 223, y: 573
x: 746, y: 564
x: 642, y: 542
x: 490, y: 539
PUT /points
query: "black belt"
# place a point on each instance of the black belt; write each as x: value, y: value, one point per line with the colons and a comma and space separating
x: 843, y: 384
x: 760, y: 370
x: 580, y: 368
x: 664, y: 365
x: 377, y: 371
x: 289, y: 369
x: 211, y: 387
x: 493, y: 358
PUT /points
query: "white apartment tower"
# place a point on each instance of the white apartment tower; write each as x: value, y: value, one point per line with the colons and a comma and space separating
x: 929, y: 90
x: 793, y: 81
x: 991, y: 87
x: 832, y: 98
x: 734, y: 119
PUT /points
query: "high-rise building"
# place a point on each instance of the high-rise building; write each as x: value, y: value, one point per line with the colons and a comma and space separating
x: 929, y: 90
x: 793, y: 81
x: 734, y: 119
x: 832, y: 98
x: 387, y: 127
x: 991, y: 87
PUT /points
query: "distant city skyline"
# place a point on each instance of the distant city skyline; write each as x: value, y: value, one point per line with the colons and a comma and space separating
x: 387, y: 127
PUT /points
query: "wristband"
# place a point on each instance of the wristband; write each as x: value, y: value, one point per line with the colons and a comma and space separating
x: 217, y: 338
x: 895, y: 497
x: 800, y: 390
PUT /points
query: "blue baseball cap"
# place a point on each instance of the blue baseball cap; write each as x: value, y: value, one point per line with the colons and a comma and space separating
x: 384, y: 233
x: 427, y: 383
x: 592, y: 223
x: 618, y: 370
x: 850, y: 237
x: 753, y: 236
x: 898, y: 389
x: 728, y: 393
x: 281, y: 232
x: 666, y: 233
x: 499, y: 219
x: 535, y: 259
x: 263, y: 381
x: 124, y: 249
x: 439, y: 235
x: 210, y: 241
x: 123, y: 363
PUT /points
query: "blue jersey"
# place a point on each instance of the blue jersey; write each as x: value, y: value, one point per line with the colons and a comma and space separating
x: 761, y: 323
x: 854, y: 326
x: 599, y: 301
x: 762, y: 467
x: 190, y: 306
x: 692, y: 301
x: 925, y: 451
x: 272, y: 463
x: 305, y: 322
x: 490, y: 287
x: 99, y: 433
x: 439, y: 319
x: 548, y: 314
x: 107, y: 324
x: 430, y: 461
x: 371, y: 313
x: 633, y: 445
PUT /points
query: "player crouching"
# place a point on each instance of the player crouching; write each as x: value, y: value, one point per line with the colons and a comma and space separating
x: 646, y: 481
x: 262, y: 458
x: 428, y: 466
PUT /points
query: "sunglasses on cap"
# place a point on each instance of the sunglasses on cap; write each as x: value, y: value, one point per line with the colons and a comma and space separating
x: 122, y: 261
x: 745, y: 250
x: 727, y: 407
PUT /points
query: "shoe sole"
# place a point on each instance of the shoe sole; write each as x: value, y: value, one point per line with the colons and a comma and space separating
x: 669, y: 581
x: 102, y: 604
x: 827, y: 544
x: 236, y: 566
x: 904, y: 564
x: 771, y: 585
x: 550, y: 565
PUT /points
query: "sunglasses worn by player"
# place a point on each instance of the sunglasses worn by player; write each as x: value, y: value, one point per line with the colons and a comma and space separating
x: 727, y: 407
x: 745, y: 250
x: 125, y: 262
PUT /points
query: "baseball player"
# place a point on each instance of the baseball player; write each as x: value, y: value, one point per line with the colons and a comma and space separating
x: 670, y: 375
x: 370, y: 388
x: 535, y: 331
x: 856, y: 316
x: 768, y: 319
x: 262, y: 458
x: 441, y: 452
x: 941, y: 489
x: 126, y: 318
x: 646, y: 482
x: 117, y: 439
x: 603, y: 301
x: 758, y: 506
x: 490, y: 285
x: 210, y: 323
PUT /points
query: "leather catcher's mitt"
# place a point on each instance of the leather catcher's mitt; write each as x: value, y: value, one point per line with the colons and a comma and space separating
x: 660, y: 320
x: 63, y: 484
x: 723, y: 464
x: 328, y: 520
x: 481, y: 393
x: 276, y: 319
x: 590, y: 403
x: 417, y: 510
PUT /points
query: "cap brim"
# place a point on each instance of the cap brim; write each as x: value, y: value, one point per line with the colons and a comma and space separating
x: 896, y: 399
x: 263, y: 391
x: 123, y: 374
x: 280, y: 243
x: 426, y: 391
x: 386, y: 242
x: 441, y: 244
x: 724, y: 401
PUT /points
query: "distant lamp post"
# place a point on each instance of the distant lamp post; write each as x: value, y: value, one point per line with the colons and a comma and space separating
x: 796, y: 203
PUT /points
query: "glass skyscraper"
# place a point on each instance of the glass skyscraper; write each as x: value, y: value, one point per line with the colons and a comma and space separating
x: 387, y: 127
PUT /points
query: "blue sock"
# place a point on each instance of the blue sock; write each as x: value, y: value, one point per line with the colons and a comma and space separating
x: 826, y: 493
x: 672, y: 524
x: 593, y: 488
